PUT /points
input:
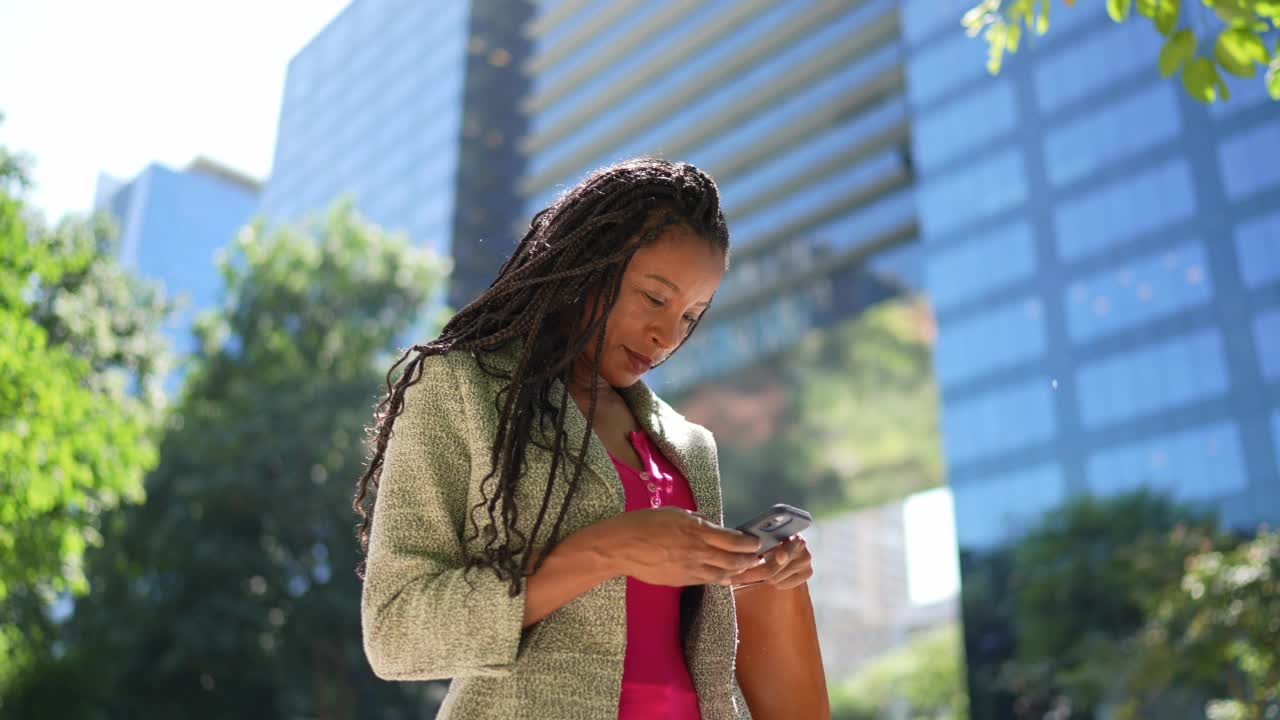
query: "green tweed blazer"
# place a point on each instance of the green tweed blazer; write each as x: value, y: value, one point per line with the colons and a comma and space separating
x: 424, y: 620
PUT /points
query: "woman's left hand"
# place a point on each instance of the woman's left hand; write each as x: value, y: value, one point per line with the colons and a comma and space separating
x: 786, y: 566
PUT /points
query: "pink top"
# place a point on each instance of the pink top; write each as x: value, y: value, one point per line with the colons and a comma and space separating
x: 655, y: 679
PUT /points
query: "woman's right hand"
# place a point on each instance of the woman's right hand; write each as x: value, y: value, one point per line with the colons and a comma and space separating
x: 674, y: 547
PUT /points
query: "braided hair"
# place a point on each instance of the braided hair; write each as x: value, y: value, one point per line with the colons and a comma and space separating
x: 553, y: 296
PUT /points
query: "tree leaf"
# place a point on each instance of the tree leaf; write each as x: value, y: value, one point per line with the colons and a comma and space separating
x: 996, y: 35
x: 1167, y: 15
x: 1177, y: 50
x: 1273, y: 79
x: 1268, y: 8
x: 1201, y: 80
x: 1119, y: 9
x: 1042, y: 19
x: 1147, y: 8
x: 1237, y: 49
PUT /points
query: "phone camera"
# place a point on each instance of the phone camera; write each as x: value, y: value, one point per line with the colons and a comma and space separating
x: 776, y: 522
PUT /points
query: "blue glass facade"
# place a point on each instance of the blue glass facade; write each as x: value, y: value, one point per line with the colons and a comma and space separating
x: 172, y: 224
x: 796, y: 109
x: 1104, y: 257
x: 406, y: 107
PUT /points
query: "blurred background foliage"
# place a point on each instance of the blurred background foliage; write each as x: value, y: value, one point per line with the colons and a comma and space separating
x: 845, y: 419
x: 236, y: 574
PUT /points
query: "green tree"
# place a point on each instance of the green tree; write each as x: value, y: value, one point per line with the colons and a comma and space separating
x: 1215, y: 631
x: 925, y: 678
x: 80, y: 362
x: 1239, y: 46
x: 231, y: 592
x: 1082, y: 582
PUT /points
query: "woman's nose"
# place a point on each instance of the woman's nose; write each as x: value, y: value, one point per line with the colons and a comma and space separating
x: 666, y: 335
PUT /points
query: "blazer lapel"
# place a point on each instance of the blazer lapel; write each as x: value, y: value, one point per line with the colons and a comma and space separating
x: 677, y: 440
x: 598, y: 462
x: 597, y: 466
x: 673, y: 435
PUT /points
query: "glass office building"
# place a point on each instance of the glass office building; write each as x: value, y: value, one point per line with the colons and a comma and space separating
x: 1103, y: 255
x: 172, y: 224
x: 798, y: 111
x: 408, y: 108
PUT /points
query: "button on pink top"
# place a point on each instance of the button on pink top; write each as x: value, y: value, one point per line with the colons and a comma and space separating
x: 655, y: 679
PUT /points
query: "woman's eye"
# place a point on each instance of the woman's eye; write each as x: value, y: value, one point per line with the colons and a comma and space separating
x: 657, y: 302
x: 691, y: 319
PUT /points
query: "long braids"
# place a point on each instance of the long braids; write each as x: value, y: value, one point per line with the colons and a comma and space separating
x: 553, y: 295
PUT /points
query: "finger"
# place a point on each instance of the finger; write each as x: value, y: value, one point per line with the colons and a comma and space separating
x: 730, y: 562
x: 713, y: 574
x: 797, y: 574
x: 731, y: 540
x: 746, y: 577
x: 775, y: 564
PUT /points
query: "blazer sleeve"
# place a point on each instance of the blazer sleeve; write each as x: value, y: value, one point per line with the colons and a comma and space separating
x: 423, y: 617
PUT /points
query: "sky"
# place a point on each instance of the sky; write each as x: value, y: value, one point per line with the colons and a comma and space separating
x: 88, y: 86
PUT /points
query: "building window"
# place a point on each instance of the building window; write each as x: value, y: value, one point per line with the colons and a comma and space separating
x: 993, y: 260
x: 1258, y: 250
x: 994, y: 509
x: 1103, y: 57
x: 1116, y: 132
x: 1124, y: 209
x: 1248, y: 160
x: 1138, y: 292
x: 922, y: 18
x: 939, y: 68
x: 1202, y: 463
x: 1157, y: 377
x: 996, y: 339
x: 971, y: 193
x: 972, y: 120
x: 1013, y: 417
x: 1266, y: 333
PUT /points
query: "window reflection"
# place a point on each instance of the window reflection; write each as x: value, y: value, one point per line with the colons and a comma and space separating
x: 1258, y: 250
x: 997, y: 338
x: 1198, y: 464
x: 1013, y: 417
x: 993, y: 509
x: 1124, y: 209
x: 973, y: 192
x: 1266, y: 334
x: 1244, y: 171
x: 979, y: 265
x: 938, y: 68
x: 970, y: 121
x: 1138, y: 292
x: 1101, y: 58
x: 1152, y: 378
x: 1117, y: 131
x: 921, y: 18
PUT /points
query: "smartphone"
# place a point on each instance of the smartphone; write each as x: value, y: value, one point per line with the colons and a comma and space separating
x: 775, y: 525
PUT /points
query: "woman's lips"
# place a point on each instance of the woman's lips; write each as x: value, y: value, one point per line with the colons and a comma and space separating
x: 639, y: 363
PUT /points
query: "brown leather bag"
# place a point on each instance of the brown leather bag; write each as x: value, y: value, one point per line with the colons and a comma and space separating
x: 779, y: 662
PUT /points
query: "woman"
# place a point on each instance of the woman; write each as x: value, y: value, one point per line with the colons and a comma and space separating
x: 546, y: 531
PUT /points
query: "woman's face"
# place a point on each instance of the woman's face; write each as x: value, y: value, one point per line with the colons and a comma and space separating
x: 666, y: 288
